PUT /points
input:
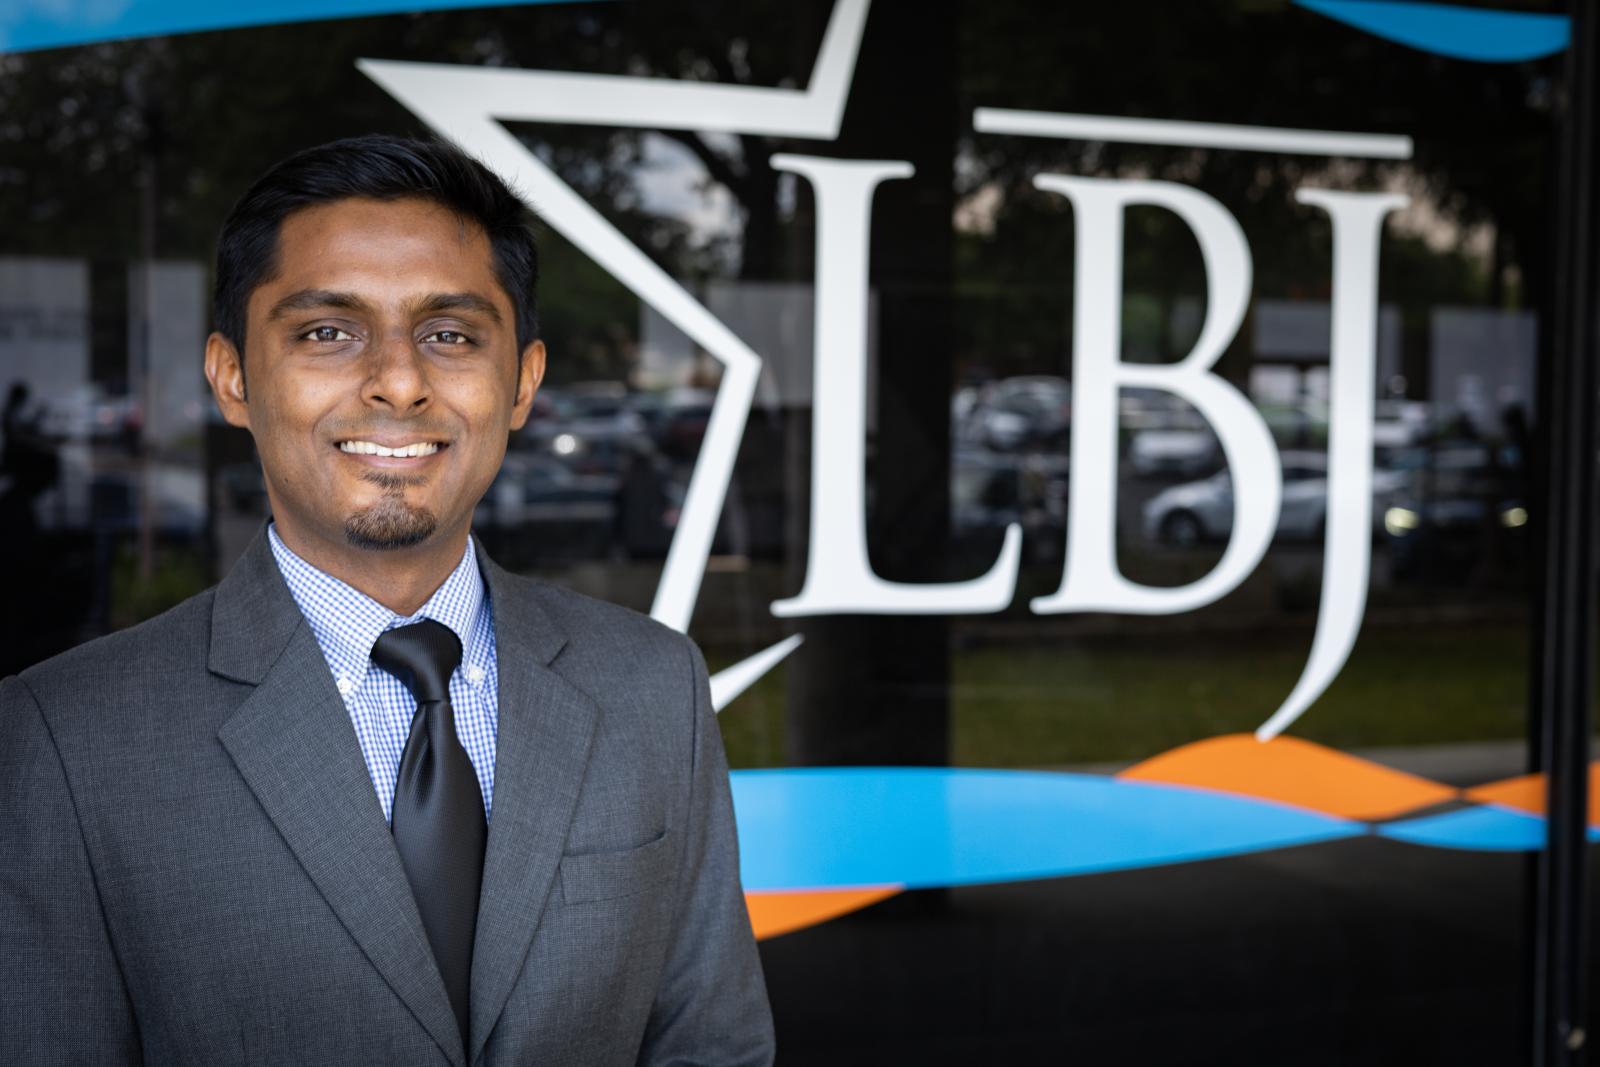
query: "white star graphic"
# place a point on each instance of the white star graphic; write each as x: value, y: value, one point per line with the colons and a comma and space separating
x: 468, y: 104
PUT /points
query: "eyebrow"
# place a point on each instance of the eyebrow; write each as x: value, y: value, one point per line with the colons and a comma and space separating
x: 470, y: 302
x: 318, y: 299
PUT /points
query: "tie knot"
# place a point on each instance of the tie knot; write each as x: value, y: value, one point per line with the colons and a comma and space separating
x: 423, y: 655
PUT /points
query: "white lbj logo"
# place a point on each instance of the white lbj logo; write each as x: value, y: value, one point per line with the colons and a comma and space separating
x: 839, y: 578
x: 463, y: 103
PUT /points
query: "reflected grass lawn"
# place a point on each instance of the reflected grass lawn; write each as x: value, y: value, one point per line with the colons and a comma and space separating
x: 1119, y: 699
x: 752, y: 726
x: 1113, y: 700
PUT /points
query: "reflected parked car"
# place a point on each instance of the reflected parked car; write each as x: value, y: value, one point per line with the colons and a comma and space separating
x: 538, y: 509
x: 593, y: 430
x: 1186, y: 515
x: 681, y: 423
x: 532, y: 489
x: 110, y: 502
x: 1031, y: 412
x: 1398, y: 424
x: 1462, y: 506
x: 1141, y: 409
x: 1173, y: 453
x: 1296, y: 426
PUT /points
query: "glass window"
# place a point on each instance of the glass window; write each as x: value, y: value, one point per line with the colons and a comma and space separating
x: 1096, y: 443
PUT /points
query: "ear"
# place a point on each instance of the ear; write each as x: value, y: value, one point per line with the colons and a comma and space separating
x: 530, y: 372
x: 225, y: 372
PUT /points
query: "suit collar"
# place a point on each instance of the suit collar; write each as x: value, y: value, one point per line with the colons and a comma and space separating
x: 252, y: 616
x: 518, y: 613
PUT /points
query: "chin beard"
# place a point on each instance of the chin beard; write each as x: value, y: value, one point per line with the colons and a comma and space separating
x: 390, y: 523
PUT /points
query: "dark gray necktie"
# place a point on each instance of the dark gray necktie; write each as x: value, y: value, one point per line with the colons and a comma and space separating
x: 438, y: 822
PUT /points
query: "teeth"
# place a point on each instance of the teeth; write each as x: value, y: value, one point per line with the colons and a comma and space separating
x: 369, y: 448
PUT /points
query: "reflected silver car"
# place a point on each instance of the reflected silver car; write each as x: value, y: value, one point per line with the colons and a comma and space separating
x: 1188, y: 514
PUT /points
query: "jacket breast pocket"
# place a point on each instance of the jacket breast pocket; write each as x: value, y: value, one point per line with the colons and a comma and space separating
x: 592, y: 876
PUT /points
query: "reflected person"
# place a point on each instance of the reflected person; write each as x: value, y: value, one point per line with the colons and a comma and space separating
x: 373, y: 799
x: 13, y: 425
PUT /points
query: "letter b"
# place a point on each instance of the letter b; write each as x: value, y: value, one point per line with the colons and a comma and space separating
x: 1091, y: 581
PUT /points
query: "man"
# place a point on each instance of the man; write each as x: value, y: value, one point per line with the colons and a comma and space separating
x: 372, y: 799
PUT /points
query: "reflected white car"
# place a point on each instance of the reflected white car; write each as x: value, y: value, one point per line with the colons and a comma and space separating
x: 1031, y: 412
x: 1185, y: 453
x: 1188, y: 514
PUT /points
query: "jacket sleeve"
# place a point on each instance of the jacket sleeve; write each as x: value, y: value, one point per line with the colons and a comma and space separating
x: 62, y: 995
x: 711, y: 1007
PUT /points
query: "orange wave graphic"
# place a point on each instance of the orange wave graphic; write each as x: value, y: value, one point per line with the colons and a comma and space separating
x: 1292, y: 771
x: 774, y: 913
x: 1527, y: 793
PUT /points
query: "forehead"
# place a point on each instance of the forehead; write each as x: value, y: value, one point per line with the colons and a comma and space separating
x: 384, y: 249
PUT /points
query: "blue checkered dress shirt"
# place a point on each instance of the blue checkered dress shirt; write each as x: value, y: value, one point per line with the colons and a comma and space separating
x: 346, y: 622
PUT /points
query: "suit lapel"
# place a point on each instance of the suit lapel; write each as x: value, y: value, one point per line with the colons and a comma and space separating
x: 546, y: 726
x: 293, y: 743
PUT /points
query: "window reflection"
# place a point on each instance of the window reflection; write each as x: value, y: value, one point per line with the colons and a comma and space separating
x: 121, y: 492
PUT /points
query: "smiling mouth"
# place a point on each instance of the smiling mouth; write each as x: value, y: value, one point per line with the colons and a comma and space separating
x: 372, y: 448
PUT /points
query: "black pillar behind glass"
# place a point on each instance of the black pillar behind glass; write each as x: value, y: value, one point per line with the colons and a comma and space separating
x: 1567, y: 619
x: 874, y: 689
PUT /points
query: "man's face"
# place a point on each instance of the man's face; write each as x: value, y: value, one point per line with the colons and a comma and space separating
x: 383, y: 375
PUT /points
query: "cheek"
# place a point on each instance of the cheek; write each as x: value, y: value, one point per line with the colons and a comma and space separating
x: 483, y: 461
x: 485, y: 411
x: 479, y: 470
x: 286, y: 423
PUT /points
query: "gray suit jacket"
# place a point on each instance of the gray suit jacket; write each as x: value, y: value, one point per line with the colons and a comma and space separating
x: 194, y: 868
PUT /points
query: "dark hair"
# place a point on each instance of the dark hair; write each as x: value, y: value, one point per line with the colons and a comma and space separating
x: 380, y: 168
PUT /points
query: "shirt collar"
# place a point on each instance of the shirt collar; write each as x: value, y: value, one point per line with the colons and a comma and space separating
x: 346, y: 622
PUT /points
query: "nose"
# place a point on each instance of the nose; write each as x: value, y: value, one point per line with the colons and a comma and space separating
x: 399, y: 377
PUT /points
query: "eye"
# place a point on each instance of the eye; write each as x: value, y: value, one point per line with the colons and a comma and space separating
x: 447, y: 337
x: 326, y: 334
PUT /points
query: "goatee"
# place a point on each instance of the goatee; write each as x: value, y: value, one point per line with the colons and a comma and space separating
x: 391, y: 522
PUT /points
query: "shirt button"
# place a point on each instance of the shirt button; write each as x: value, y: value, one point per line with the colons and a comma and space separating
x: 475, y: 674
x: 346, y: 687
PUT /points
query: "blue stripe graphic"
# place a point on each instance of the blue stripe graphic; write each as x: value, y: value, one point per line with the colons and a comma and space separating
x: 1490, y: 828
x: 1458, y: 32
x: 818, y: 828
x: 1487, y: 829
x: 28, y: 25
x: 805, y: 828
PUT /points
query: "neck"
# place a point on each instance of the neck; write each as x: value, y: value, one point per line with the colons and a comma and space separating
x: 401, y: 579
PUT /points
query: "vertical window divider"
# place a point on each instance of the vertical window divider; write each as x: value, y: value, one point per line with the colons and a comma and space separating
x: 1567, y: 614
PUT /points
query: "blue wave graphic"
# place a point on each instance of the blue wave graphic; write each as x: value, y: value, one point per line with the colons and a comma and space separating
x: 28, y: 25
x: 1458, y: 32
x: 923, y: 827
x: 1484, y: 829
x: 1490, y: 828
x: 822, y: 828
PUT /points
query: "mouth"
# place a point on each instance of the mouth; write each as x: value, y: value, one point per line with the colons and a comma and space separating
x: 392, y: 453
x: 372, y: 448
